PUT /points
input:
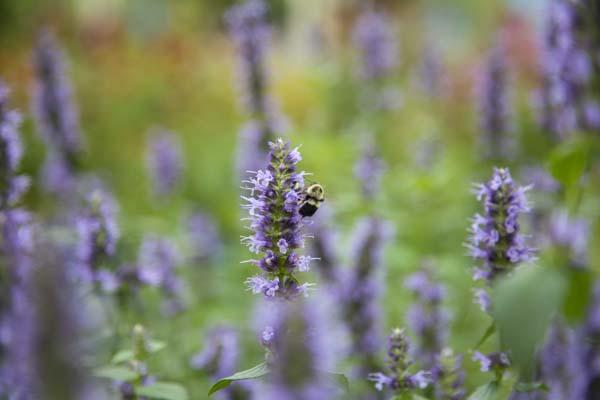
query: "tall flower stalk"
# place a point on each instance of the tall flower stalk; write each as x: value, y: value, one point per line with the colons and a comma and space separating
x: 251, y: 34
x: 55, y: 113
x: 273, y: 211
x: 164, y: 161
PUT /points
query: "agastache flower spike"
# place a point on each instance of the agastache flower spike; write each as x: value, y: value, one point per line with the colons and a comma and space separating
x: 273, y: 207
x: 496, y: 240
x: 56, y: 115
x: 164, y: 161
x: 12, y: 186
x: 398, y: 378
x: 494, y: 105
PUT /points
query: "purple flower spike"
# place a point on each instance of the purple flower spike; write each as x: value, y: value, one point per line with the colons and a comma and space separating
x: 361, y: 290
x: 369, y: 170
x: 496, y: 240
x: 56, y: 115
x: 571, y: 234
x: 204, y: 237
x: 399, y: 379
x: 427, y: 319
x: 431, y: 72
x: 494, y: 105
x: 12, y: 186
x: 377, y: 46
x: 276, y: 224
x: 164, y: 161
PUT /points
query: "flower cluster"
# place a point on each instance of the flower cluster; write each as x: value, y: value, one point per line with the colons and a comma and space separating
x: 164, y: 161
x: 426, y: 318
x: 431, y: 72
x: 56, y: 114
x: 375, y: 41
x: 566, y: 70
x: 398, y: 378
x: 570, y: 234
x: 449, y: 377
x: 273, y: 209
x: 494, y: 105
x: 496, y: 240
x: 492, y: 361
x: 369, y: 170
x: 204, y: 237
x: 361, y: 289
x: 323, y: 246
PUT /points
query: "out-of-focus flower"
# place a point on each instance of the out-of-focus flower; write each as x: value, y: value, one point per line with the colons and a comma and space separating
x: 55, y: 111
x: 376, y: 44
x: 12, y: 185
x: 98, y: 234
x: 219, y: 358
x: 496, y: 240
x: 431, y: 72
x: 304, y: 340
x: 449, y: 377
x: 571, y: 234
x: 566, y: 70
x: 494, y: 105
x: 492, y: 361
x: 362, y: 288
x: 164, y: 161
x: 157, y: 260
x: 204, y: 237
x: 323, y: 246
x: 273, y: 209
x: 398, y: 378
x: 369, y: 170
x: 540, y: 179
x: 426, y: 318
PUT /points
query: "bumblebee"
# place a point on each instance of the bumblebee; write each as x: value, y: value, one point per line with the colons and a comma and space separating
x: 311, y: 200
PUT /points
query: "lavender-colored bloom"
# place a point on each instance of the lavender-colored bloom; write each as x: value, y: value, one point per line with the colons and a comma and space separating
x: 98, y: 234
x: 57, y: 177
x: 492, y: 361
x: 398, y: 378
x: 164, y: 161
x: 43, y: 333
x: 304, y: 341
x: 540, y: 179
x: 273, y: 210
x: 449, y: 377
x: 56, y: 115
x: 369, y: 170
x: 430, y: 72
x: 376, y: 44
x: 566, y: 70
x: 361, y: 290
x: 496, y: 240
x: 158, y: 259
x: 12, y: 186
x: 494, y: 105
x: 426, y: 318
x: 571, y: 234
x: 219, y: 358
x: 323, y: 246
x: 204, y: 237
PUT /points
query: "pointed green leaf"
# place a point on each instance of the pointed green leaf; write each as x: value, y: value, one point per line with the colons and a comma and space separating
x: 122, y: 356
x: 255, y: 372
x: 578, y: 295
x: 530, y: 386
x: 116, y: 373
x: 486, y: 335
x: 568, y: 161
x: 163, y: 391
x: 152, y: 346
x: 485, y: 392
x: 341, y: 379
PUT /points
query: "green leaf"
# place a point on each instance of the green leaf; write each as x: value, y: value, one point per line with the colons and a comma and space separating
x: 530, y: 386
x: 255, y: 372
x: 568, y: 161
x: 577, y: 295
x: 163, y: 390
x: 116, y: 373
x: 341, y: 379
x: 152, y: 346
x: 486, y: 335
x: 122, y: 356
x: 485, y: 392
x: 523, y: 307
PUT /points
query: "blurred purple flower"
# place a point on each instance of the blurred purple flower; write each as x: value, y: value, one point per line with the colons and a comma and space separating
x: 204, y: 237
x: 492, y: 361
x: 97, y: 234
x: 566, y: 70
x: 362, y: 288
x: 496, y: 240
x: 157, y: 260
x: 54, y: 109
x: 12, y: 185
x: 164, y: 161
x: 323, y: 246
x: 571, y: 234
x: 273, y: 209
x: 369, y: 169
x: 398, y: 378
x: 494, y: 105
x: 539, y: 179
x: 449, y: 377
x: 430, y: 72
x: 426, y: 318
x: 376, y: 44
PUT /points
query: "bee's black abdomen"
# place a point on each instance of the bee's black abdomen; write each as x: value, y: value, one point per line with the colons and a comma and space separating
x: 307, y: 209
